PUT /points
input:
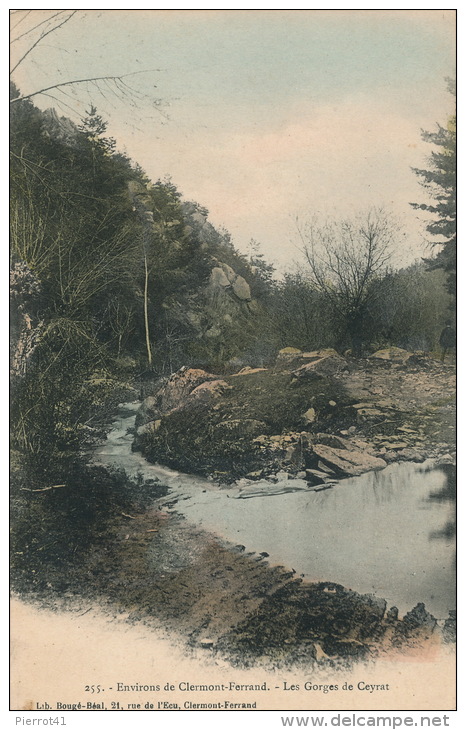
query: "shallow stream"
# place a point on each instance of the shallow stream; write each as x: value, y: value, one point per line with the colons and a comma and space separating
x: 389, y: 532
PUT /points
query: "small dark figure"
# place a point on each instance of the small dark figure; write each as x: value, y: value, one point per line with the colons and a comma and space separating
x: 447, y: 339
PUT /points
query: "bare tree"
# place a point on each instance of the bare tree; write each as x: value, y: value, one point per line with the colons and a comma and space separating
x: 346, y: 259
x: 32, y: 36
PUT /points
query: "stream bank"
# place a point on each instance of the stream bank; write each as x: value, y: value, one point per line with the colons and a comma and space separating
x: 158, y: 569
x: 388, y: 532
x: 145, y: 560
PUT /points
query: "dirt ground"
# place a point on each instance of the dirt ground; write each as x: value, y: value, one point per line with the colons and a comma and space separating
x: 160, y: 570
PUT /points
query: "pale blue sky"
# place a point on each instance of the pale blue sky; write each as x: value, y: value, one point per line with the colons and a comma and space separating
x: 272, y: 114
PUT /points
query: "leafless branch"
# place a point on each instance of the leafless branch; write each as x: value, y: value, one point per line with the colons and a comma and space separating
x: 31, y: 30
x: 116, y: 80
x: 41, y: 38
x: 13, y: 12
x: 345, y: 257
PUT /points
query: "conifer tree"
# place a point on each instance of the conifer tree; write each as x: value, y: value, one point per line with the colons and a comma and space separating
x: 440, y: 181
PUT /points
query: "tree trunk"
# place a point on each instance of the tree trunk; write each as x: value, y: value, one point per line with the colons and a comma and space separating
x: 146, y: 318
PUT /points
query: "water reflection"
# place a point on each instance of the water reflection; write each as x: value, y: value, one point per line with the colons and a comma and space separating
x: 390, y: 532
x: 446, y: 494
x: 372, y: 533
x: 447, y: 532
x: 383, y: 486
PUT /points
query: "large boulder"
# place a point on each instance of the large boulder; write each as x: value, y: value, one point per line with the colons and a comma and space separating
x: 218, y: 278
x: 241, y: 289
x: 347, y: 462
x: 230, y: 273
x: 178, y: 387
x: 224, y: 277
x: 316, y: 477
x: 60, y: 128
x: 174, y: 393
x: 206, y: 393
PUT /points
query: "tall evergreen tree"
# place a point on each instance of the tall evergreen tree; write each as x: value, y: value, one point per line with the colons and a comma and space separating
x: 440, y: 181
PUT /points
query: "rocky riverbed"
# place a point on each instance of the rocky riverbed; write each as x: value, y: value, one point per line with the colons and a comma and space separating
x: 315, y: 417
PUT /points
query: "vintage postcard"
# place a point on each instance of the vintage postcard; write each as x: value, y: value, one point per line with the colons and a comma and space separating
x: 233, y: 361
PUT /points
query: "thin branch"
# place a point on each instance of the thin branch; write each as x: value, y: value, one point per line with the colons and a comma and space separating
x: 115, y: 79
x: 41, y: 37
x: 62, y: 104
x: 13, y: 12
x: 45, y: 489
x: 47, y: 20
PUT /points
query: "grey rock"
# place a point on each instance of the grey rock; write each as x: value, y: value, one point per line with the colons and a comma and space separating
x: 346, y: 462
x: 247, y: 370
x: 179, y: 386
x: 329, y: 439
x: 316, y: 477
x: 287, y: 355
x: 241, y: 289
x: 411, y: 454
x: 310, y: 415
x: 325, y: 468
x: 207, y: 392
x: 218, y: 278
x: 229, y: 273
x: 149, y: 428
x: 446, y: 459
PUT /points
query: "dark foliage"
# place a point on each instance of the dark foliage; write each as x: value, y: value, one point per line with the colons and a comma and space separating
x: 439, y: 179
